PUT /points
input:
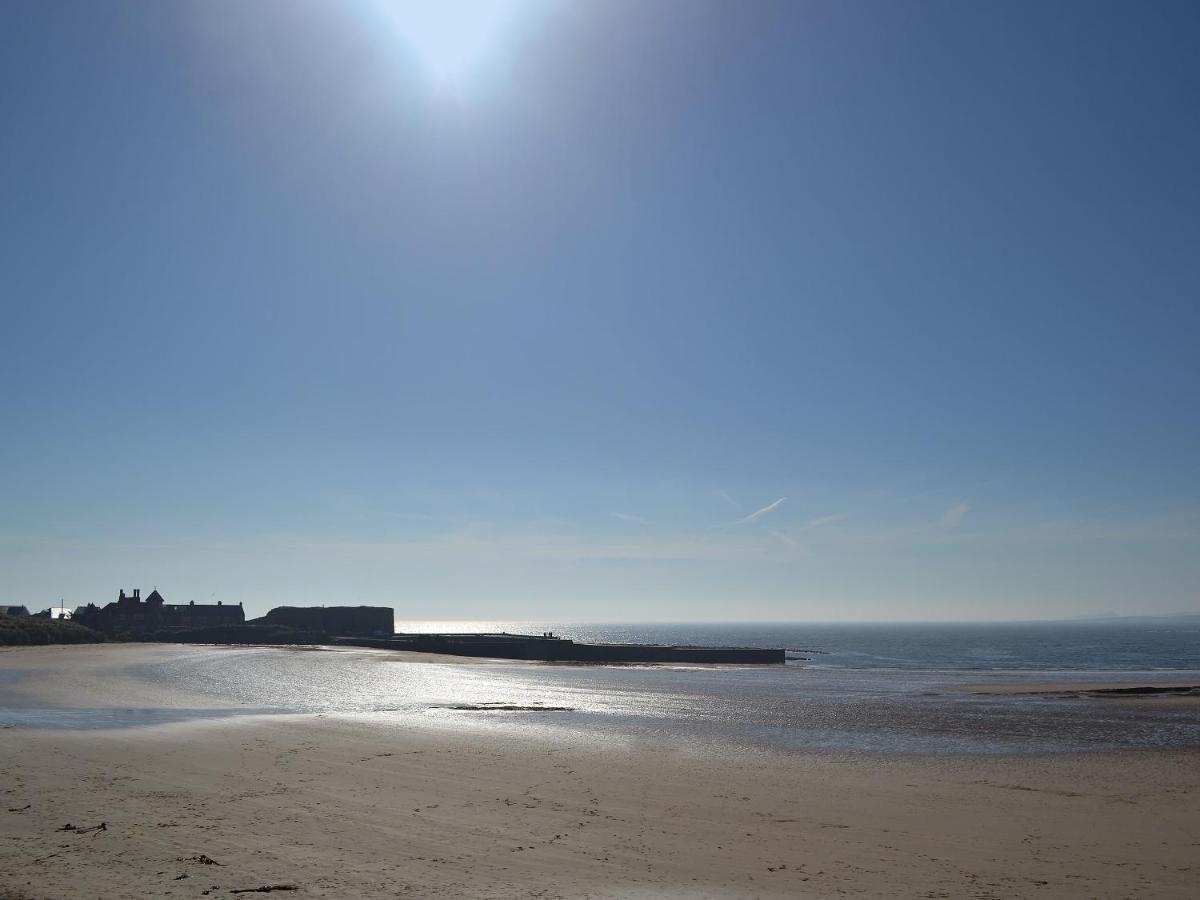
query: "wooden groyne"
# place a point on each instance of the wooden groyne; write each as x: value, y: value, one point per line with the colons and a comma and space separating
x: 549, y: 648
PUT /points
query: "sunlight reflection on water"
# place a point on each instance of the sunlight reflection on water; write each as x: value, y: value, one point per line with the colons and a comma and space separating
x: 780, y: 707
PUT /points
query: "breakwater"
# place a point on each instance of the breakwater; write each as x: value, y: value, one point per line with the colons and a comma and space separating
x: 550, y: 648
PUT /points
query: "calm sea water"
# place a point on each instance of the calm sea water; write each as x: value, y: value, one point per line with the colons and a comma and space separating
x: 1083, y: 646
x: 876, y: 689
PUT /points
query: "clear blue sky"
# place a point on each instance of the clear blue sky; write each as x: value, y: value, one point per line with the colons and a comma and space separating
x: 603, y: 311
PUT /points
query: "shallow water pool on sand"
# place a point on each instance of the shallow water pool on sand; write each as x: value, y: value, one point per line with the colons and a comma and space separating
x: 93, y: 719
x: 783, y: 708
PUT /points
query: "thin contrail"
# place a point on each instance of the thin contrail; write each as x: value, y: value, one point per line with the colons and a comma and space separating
x: 758, y: 513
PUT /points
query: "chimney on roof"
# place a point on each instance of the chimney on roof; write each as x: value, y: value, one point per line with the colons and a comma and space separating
x: 137, y: 593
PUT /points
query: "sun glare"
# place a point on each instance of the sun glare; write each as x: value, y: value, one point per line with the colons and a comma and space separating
x: 453, y: 38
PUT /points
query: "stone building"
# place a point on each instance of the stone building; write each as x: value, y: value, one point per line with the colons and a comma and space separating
x: 130, y: 613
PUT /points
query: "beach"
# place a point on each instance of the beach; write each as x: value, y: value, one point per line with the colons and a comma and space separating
x: 363, y: 806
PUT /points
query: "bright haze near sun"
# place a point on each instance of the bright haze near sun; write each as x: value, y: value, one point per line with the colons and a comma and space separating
x: 603, y: 309
x: 454, y: 40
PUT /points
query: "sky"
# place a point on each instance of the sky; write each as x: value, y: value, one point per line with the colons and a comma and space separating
x: 602, y: 311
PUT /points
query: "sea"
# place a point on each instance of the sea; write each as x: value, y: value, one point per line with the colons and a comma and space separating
x: 845, y: 689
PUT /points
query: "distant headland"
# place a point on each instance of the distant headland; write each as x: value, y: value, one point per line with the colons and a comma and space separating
x: 133, y: 618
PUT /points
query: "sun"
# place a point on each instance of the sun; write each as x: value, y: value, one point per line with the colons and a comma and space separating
x: 453, y: 39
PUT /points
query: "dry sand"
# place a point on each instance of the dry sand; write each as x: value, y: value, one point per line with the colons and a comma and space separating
x: 359, y: 808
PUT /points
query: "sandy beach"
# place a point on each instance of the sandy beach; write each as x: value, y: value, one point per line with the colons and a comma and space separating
x: 355, y: 807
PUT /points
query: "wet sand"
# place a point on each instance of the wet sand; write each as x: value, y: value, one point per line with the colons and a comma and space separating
x: 369, y: 807
x: 1181, y: 693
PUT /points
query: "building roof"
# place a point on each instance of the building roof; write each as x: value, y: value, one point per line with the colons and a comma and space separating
x: 204, y: 609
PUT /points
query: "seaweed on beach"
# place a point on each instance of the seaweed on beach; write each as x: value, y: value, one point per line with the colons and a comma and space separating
x: 506, y: 707
x: 265, y: 889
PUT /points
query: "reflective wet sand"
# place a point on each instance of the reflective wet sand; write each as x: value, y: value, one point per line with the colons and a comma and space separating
x: 392, y: 797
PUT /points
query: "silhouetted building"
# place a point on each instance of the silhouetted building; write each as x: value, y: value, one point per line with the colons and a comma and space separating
x: 130, y: 613
x: 13, y: 611
x: 53, y: 612
x: 342, y: 620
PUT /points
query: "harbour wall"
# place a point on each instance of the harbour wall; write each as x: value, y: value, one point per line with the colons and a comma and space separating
x: 556, y: 649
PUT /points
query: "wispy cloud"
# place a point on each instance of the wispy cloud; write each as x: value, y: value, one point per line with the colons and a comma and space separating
x: 785, y: 538
x: 825, y: 520
x: 630, y: 518
x: 759, y: 513
x: 498, y: 547
x: 1179, y: 526
x: 953, y: 517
